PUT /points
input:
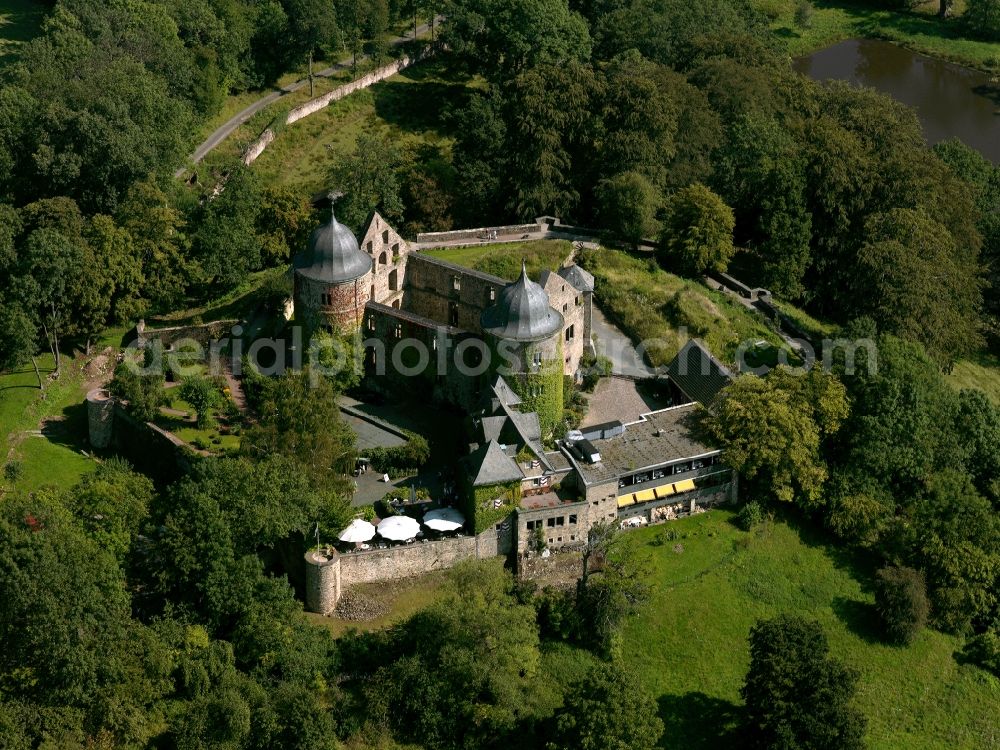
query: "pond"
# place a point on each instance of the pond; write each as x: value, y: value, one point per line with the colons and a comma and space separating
x: 951, y: 101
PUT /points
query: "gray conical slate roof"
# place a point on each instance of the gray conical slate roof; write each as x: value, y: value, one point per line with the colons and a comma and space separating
x: 333, y: 255
x: 522, y: 313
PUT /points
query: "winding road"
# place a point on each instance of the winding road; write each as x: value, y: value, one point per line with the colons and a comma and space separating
x: 226, y: 129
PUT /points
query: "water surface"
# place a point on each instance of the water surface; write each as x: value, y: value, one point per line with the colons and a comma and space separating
x: 951, y: 101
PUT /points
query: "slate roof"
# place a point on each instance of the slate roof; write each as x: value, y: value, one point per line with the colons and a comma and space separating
x: 581, y: 280
x: 659, y: 438
x: 488, y: 465
x: 522, y: 312
x: 332, y: 255
x: 505, y: 393
x: 696, y: 372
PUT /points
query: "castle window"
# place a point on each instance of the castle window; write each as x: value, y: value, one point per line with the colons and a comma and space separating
x: 372, y: 296
x: 572, y: 519
x: 565, y: 308
x: 371, y: 323
x: 456, y: 282
x: 385, y: 236
x: 399, y: 331
x: 452, y: 314
x: 371, y: 247
x: 394, y: 279
x: 492, y: 294
x: 395, y: 249
x: 538, y: 359
x: 382, y: 259
x: 577, y: 299
x: 570, y: 333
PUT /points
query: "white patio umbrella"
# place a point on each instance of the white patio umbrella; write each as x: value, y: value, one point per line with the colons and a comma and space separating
x: 398, y: 528
x: 444, y: 519
x: 358, y: 530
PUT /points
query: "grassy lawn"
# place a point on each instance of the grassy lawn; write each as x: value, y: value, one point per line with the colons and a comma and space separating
x: 53, y: 457
x: 651, y: 305
x: 813, y: 326
x: 20, y: 21
x: 982, y: 372
x: 919, y: 30
x: 690, y: 642
x: 504, y: 260
x: 408, y: 107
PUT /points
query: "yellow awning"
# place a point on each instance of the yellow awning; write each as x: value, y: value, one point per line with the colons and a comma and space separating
x: 645, y: 496
x: 665, y: 491
x: 624, y: 500
x: 684, y: 485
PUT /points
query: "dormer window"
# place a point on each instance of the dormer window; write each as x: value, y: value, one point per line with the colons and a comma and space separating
x: 456, y: 282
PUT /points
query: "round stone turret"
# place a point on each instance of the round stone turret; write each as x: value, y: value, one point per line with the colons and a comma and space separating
x: 100, y: 417
x: 332, y: 278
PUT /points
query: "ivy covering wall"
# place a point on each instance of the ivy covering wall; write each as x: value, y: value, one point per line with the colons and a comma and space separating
x: 480, y: 501
x: 542, y: 392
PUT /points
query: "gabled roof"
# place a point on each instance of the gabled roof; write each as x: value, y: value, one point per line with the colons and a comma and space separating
x: 492, y: 428
x: 505, y: 393
x: 488, y: 464
x: 696, y: 372
x: 581, y: 280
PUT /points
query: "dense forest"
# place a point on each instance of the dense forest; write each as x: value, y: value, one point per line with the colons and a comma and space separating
x: 135, y: 615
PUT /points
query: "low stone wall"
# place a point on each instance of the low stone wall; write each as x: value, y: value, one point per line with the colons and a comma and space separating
x: 255, y: 149
x: 203, y: 333
x: 328, y: 574
x: 150, y: 448
x: 479, y: 233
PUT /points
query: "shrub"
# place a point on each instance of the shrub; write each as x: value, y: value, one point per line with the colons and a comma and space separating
x: 537, y: 542
x: 401, y: 459
x: 982, y: 19
x: 698, y: 232
x: 750, y: 515
x: 202, y: 395
x: 13, y: 471
x: 901, y: 600
x: 984, y: 650
x: 804, y: 14
x: 593, y: 369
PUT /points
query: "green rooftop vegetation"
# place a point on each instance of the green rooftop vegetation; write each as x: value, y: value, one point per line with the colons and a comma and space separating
x: 504, y: 260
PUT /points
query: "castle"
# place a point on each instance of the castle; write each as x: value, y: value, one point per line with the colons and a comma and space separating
x: 500, y: 351
x: 473, y: 326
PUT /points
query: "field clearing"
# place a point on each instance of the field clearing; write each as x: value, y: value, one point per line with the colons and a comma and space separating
x: 921, y: 30
x: 690, y: 642
x: 409, y: 108
x: 982, y: 372
x: 54, y: 456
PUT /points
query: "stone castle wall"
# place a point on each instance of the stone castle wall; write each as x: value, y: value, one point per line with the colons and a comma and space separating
x: 328, y: 575
x: 565, y: 298
x: 389, y: 252
x: 449, y: 293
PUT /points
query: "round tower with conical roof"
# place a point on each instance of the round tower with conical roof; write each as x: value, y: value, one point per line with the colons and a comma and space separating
x: 332, y: 278
x: 525, y: 335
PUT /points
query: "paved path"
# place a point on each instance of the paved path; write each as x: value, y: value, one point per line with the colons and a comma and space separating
x: 612, y: 343
x: 226, y: 129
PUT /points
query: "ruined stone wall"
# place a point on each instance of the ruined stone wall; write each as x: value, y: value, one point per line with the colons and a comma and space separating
x: 388, y: 251
x: 449, y: 293
x: 344, y: 303
x: 564, y: 526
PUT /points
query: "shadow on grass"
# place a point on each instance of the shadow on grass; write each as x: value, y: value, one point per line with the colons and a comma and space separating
x: 71, y: 430
x: 861, y: 619
x: 421, y: 102
x: 695, y: 721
